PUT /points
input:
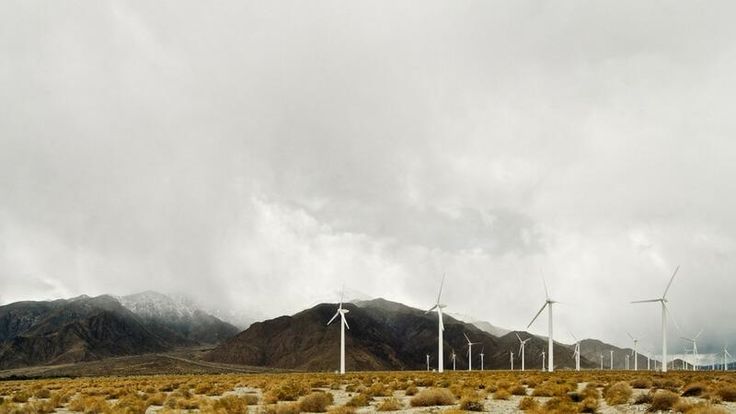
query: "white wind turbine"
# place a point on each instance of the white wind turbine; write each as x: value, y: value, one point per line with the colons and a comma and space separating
x: 543, y: 360
x: 601, y: 362
x: 427, y: 362
x: 521, y: 348
x: 693, y: 341
x: 663, y: 301
x: 612, y: 360
x: 440, y: 327
x: 511, y: 359
x: 343, y: 324
x: 576, y: 353
x: 481, y: 357
x: 453, y: 359
x: 635, y: 352
x: 725, y: 355
x: 550, y: 340
x: 470, y: 352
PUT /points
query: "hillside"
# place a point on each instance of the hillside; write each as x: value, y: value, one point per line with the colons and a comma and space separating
x: 383, y: 335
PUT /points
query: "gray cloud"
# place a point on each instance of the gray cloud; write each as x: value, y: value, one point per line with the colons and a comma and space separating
x: 243, y: 152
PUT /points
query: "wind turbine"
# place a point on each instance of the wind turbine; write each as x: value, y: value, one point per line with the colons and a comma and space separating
x: 626, y: 363
x: 453, y: 359
x: 663, y: 301
x: 521, y: 348
x: 550, y: 341
x: 725, y: 355
x: 440, y: 327
x: 635, y: 352
x: 481, y: 357
x: 427, y: 362
x: 693, y: 341
x: 470, y: 352
x: 511, y: 359
x: 612, y: 360
x: 601, y: 362
x: 576, y: 353
x: 343, y: 325
x: 542, y: 360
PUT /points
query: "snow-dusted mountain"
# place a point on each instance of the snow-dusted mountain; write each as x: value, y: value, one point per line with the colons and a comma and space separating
x: 482, y: 325
x: 179, y: 316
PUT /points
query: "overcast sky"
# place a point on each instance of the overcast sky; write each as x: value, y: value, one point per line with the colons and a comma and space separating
x: 258, y: 155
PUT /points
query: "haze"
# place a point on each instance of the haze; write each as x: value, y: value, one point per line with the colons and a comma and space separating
x: 259, y: 155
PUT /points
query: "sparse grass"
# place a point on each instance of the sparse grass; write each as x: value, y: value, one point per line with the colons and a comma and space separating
x: 501, y: 394
x: 618, y: 393
x: 589, y: 405
x: 695, y: 389
x: 342, y: 410
x: 359, y: 400
x: 472, y: 403
x: 433, y: 396
x: 727, y: 392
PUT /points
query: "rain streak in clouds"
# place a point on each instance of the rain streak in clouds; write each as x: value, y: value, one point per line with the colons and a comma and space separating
x: 258, y: 155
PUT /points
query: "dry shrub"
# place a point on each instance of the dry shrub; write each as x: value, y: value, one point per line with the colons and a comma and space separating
x: 359, y: 400
x: 42, y: 393
x: 471, y: 403
x: 316, y: 402
x: 682, y: 406
x: 411, y: 390
x: 288, y: 390
x: 663, y: 400
x: 560, y: 405
x: 20, y: 397
x: 132, y: 404
x: 433, y: 396
x: 618, y: 393
x: 231, y: 404
x: 707, y: 409
x: 342, y: 410
x: 528, y: 403
x: 518, y: 389
x: 589, y: 405
x: 641, y: 383
x: 727, y: 392
x: 590, y: 391
x: 644, y: 398
x: 501, y: 394
x: 377, y: 389
x: 552, y: 389
x: 390, y: 404
x: 157, y: 398
x: 288, y: 408
x: 695, y: 389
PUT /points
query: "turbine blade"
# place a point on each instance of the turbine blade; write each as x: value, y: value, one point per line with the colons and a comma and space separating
x: 696, y: 336
x: 345, y: 321
x: 517, y: 336
x: 333, y: 318
x: 670, y: 284
x: 632, y: 338
x: 674, y: 320
x: 442, y: 323
x: 442, y: 283
x: 430, y: 309
x: 647, y: 301
x: 537, y: 315
x: 466, y: 337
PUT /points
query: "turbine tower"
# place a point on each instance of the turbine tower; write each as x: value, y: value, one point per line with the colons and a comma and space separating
x: 663, y: 302
x: 693, y: 341
x: 470, y: 352
x: 343, y: 324
x: 440, y: 327
x: 521, y: 348
x: 601, y: 362
x: 550, y: 341
x: 427, y: 362
x: 635, y: 352
x: 453, y: 359
x: 612, y: 360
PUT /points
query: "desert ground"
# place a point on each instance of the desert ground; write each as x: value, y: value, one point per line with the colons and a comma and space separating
x: 367, y: 392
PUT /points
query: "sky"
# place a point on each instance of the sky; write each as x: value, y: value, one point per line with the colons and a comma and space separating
x: 259, y: 155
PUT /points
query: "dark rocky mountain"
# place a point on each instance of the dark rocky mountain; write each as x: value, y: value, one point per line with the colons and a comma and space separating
x: 179, y: 318
x: 85, y: 329
x: 383, y: 335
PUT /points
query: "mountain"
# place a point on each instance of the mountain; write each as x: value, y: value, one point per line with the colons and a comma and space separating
x: 63, y: 331
x: 592, y: 349
x: 482, y: 325
x: 179, y: 317
x: 383, y: 335
x: 91, y: 328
